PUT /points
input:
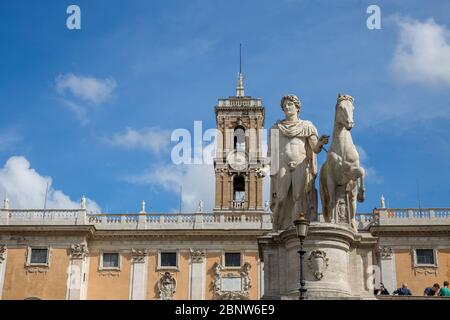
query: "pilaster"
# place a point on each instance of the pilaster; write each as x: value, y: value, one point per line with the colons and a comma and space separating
x: 77, y: 279
x: 139, y: 268
x: 387, y: 265
x: 197, y: 274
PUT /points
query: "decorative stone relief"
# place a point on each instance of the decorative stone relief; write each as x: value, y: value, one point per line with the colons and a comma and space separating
x: 231, y: 286
x: 230, y: 295
x: 318, y: 263
x: 217, y: 278
x: 138, y: 255
x: 36, y: 269
x: 2, y: 253
x: 425, y: 271
x: 221, y: 171
x: 78, y: 251
x: 385, y: 252
x: 109, y: 273
x: 246, y: 281
x: 166, y: 286
x: 197, y: 255
x: 341, y: 208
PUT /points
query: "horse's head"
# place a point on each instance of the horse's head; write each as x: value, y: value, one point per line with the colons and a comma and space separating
x: 344, y: 111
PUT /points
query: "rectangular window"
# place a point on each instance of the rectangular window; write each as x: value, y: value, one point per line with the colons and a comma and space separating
x: 110, y: 260
x: 168, y: 259
x: 39, y: 256
x: 425, y: 256
x: 232, y: 259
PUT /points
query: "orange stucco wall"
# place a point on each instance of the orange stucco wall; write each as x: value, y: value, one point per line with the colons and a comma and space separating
x: 182, y: 278
x: 417, y: 282
x: 152, y: 277
x: 19, y: 284
x: 103, y: 286
x: 252, y: 258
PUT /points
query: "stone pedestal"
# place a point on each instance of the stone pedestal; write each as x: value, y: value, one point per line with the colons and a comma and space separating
x: 337, y: 263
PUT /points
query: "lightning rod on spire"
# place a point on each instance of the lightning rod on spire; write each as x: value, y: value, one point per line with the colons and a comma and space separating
x: 240, y: 82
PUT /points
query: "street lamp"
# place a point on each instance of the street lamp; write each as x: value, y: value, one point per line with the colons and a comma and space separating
x: 301, y: 226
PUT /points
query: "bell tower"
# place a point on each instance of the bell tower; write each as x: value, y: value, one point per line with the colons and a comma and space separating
x: 239, y: 120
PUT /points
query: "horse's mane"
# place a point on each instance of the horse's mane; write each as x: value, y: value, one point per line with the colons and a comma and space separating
x: 343, y: 97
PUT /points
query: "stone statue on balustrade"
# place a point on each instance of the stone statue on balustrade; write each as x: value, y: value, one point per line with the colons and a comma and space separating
x: 341, y: 176
x: 292, y: 149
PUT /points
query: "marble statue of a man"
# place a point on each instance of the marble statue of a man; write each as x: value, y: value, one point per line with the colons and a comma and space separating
x: 292, y: 150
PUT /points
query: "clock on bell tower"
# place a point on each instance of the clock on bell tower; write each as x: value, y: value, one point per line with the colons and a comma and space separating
x: 240, y: 120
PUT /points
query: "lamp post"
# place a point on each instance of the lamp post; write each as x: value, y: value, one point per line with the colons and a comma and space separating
x: 301, y: 226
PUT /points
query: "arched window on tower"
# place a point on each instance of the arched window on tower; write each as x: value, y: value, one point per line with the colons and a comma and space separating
x: 238, y: 192
x: 239, y: 138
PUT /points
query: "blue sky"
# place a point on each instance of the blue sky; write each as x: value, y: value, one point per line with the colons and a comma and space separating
x: 93, y: 109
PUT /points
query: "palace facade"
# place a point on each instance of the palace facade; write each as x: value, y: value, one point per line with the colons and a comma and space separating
x: 74, y: 254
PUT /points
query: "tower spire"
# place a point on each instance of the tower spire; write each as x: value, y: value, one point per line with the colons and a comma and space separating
x: 240, y: 82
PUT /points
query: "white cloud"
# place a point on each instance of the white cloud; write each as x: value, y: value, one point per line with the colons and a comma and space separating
x: 197, y: 182
x: 89, y: 89
x: 26, y: 188
x: 152, y: 139
x: 85, y: 93
x: 372, y: 174
x: 362, y: 153
x: 423, y: 52
x: 81, y: 113
x: 8, y: 138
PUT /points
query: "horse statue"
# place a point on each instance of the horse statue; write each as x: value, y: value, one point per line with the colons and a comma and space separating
x: 341, y: 176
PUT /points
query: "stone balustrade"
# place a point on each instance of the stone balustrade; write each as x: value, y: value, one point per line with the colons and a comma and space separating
x: 428, y: 216
x: 200, y: 220
x: 42, y: 216
x: 363, y: 220
x: 255, y: 221
x: 239, y: 102
x: 238, y: 204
